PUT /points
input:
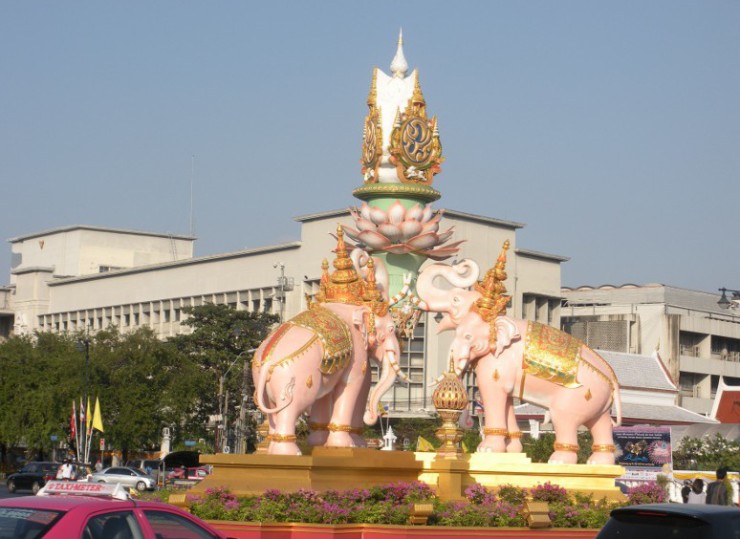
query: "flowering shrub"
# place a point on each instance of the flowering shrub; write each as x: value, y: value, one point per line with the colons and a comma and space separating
x: 549, y: 493
x: 392, y: 504
x: 648, y: 492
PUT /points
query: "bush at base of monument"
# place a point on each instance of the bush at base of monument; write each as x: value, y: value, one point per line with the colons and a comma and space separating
x: 392, y: 504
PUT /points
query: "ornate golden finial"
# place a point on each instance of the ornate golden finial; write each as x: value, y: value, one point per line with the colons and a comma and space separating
x: 450, y: 399
x: 344, y: 285
x: 493, y: 300
x: 417, y: 102
x: 372, y: 97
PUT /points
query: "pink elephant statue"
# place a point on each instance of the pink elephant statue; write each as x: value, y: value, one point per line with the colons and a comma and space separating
x: 543, y: 366
x: 518, y: 358
x: 298, y: 368
x: 318, y: 360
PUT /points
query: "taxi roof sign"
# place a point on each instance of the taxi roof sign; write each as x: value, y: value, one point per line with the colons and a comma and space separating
x: 73, y: 488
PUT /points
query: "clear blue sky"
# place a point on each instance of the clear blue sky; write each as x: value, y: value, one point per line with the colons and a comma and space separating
x: 612, y: 129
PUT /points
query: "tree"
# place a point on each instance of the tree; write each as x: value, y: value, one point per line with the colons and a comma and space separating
x: 221, y: 337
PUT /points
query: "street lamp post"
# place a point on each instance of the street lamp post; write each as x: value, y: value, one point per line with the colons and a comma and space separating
x: 224, y: 402
x: 281, y: 284
x: 726, y: 303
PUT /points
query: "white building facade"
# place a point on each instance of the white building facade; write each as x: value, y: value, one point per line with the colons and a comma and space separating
x: 698, y: 341
x: 93, y: 278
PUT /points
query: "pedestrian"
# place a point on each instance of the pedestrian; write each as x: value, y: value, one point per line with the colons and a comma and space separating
x: 98, y: 465
x: 697, y: 494
x: 67, y: 470
x: 685, y: 491
x: 719, y: 492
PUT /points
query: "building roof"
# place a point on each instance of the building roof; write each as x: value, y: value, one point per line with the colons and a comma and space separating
x: 636, y: 413
x: 449, y: 213
x: 175, y: 263
x: 544, y: 256
x: 639, y: 372
x: 642, y: 294
x: 71, y: 228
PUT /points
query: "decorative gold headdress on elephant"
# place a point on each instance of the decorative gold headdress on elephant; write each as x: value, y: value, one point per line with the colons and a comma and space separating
x: 344, y: 285
x: 493, y: 300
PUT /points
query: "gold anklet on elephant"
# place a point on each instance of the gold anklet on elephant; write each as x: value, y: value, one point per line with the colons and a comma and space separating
x: 282, y: 437
x: 492, y: 431
x: 318, y: 426
x: 572, y: 448
x: 357, y: 430
x: 333, y: 427
x: 603, y: 448
x: 514, y: 434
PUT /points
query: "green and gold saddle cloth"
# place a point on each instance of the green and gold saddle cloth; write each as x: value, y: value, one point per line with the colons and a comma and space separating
x: 552, y: 355
x: 334, y: 334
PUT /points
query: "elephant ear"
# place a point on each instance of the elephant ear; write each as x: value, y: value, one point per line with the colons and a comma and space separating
x: 506, y: 333
x: 361, y: 321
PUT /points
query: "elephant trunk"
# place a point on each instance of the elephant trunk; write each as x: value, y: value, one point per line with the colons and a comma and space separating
x: 462, y: 275
x: 387, y: 378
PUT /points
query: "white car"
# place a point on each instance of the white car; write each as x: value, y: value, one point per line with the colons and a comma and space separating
x: 128, y: 477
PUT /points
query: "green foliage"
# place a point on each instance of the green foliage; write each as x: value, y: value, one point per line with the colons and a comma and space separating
x: 540, y: 450
x: 143, y: 383
x: 511, y: 494
x: 707, y: 453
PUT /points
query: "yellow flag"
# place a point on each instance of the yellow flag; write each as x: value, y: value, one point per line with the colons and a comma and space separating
x: 88, y: 416
x: 422, y: 444
x: 97, y: 421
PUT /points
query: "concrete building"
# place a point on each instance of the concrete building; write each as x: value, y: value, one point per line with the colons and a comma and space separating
x: 84, y: 278
x: 698, y: 340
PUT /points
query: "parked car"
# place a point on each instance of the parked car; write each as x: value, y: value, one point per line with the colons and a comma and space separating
x: 150, y: 466
x: 62, y: 510
x: 672, y: 521
x: 32, y: 476
x: 128, y: 477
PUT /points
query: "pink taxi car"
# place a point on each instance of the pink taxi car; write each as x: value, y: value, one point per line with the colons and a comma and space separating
x: 72, y: 510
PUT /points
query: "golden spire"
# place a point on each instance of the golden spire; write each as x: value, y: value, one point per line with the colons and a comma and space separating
x: 372, y: 97
x: 493, y: 300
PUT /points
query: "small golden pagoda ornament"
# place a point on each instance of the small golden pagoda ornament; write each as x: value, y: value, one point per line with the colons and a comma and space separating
x: 450, y: 400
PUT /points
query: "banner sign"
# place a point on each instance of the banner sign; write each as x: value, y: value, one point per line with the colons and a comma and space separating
x: 643, y: 451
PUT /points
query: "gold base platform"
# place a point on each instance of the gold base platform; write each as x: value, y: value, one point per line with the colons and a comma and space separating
x: 348, y: 468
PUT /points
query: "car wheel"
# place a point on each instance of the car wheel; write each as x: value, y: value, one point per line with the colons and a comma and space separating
x: 35, y: 487
x: 101, y: 481
x: 11, y: 486
x: 141, y: 486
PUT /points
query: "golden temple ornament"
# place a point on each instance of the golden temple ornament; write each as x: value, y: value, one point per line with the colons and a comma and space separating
x: 372, y: 136
x: 450, y: 399
x: 415, y: 148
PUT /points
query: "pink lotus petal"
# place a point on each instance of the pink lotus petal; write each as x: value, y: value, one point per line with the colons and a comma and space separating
x: 365, y: 211
x: 399, y: 249
x: 391, y: 231
x: 396, y: 213
x: 409, y: 229
x: 351, y: 232
x: 430, y: 226
x: 444, y: 236
x: 427, y: 213
x: 440, y: 253
x: 423, y: 241
x: 377, y: 215
x: 373, y: 240
x: 414, y: 213
x: 364, y: 224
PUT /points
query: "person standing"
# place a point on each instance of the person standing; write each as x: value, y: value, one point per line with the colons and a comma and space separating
x: 67, y: 470
x: 697, y: 494
x: 719, y: 492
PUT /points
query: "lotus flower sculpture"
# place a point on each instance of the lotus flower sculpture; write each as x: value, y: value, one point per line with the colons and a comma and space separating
x: 401, y: 231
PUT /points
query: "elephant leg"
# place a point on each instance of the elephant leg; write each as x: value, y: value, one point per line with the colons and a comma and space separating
x: 514, y: 445
x: 495, y: 430
x: 603, y: 448
x: 340, y: 426
x: 282, y: 432
x: 357, y: 423
x: 318, y: 421
x: 566, y: 438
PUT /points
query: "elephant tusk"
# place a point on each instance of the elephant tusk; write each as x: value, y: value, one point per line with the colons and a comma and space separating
x: 396, y: 367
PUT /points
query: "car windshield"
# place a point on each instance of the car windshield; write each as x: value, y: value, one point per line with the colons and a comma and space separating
x: 655, y: 526
x: 26, y: 523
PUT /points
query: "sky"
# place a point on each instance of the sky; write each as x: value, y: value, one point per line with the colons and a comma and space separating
x: 611, y: 129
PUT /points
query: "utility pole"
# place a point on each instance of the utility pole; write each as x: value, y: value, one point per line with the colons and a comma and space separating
x: 281, y: 284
